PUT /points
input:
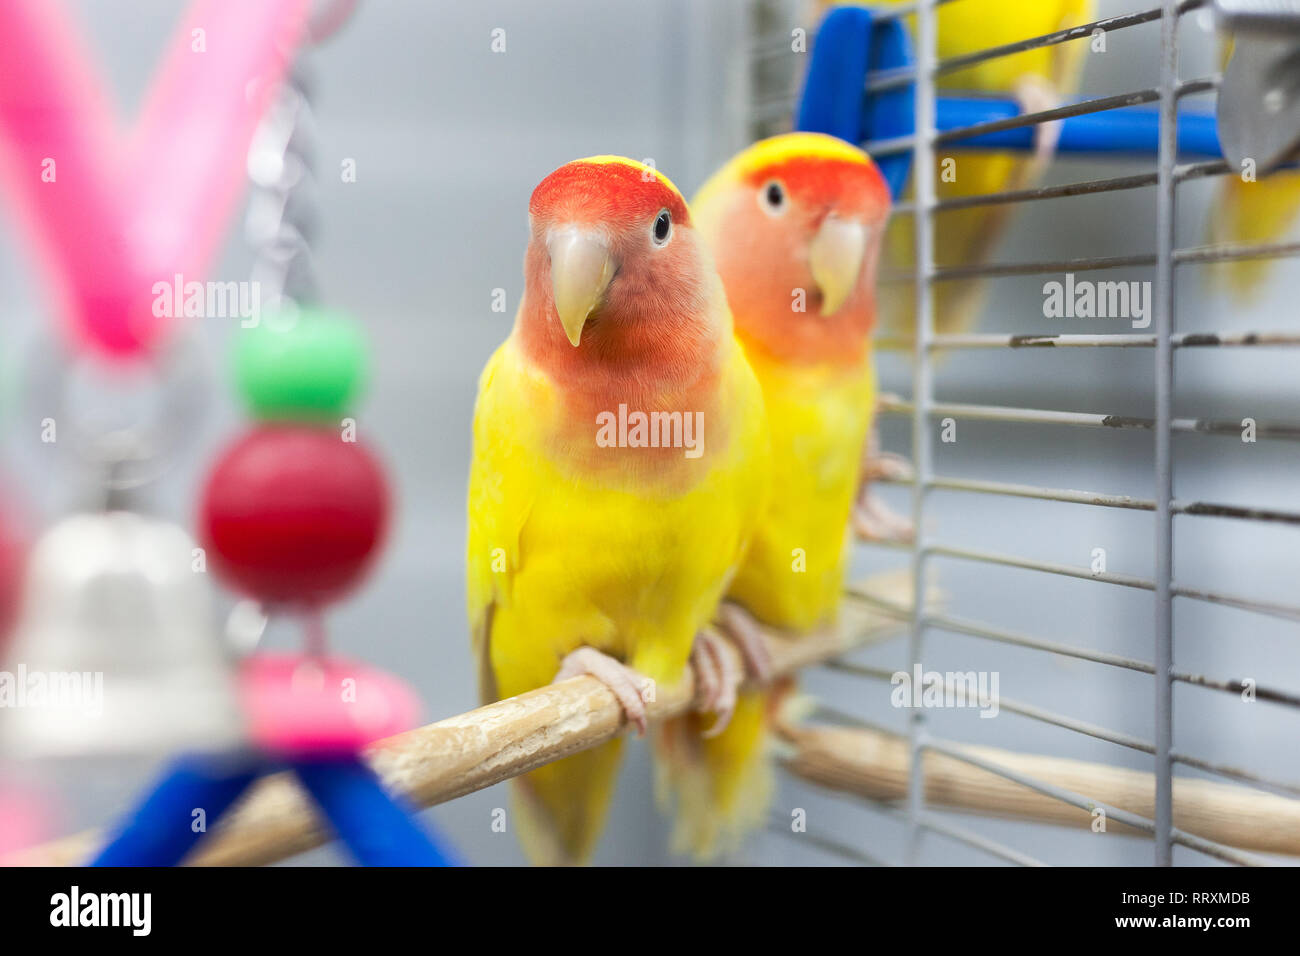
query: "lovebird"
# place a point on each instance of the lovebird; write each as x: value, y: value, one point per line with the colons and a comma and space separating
x: 621, y: 463
x: 1040, y: 80
x: 796, y: 224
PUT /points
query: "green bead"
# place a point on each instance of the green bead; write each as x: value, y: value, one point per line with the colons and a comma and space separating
x: 308, y: 367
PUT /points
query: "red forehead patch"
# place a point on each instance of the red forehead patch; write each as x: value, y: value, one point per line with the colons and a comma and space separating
x: 611, y: 188
x: 823, y: 180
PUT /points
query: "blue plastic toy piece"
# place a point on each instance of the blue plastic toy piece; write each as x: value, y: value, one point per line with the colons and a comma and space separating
x: 890, y: 113
x: 837, y: 75
x: 378, y: 829
x: 850, y: 44
x: 164, y: 828
x: 374, y: 826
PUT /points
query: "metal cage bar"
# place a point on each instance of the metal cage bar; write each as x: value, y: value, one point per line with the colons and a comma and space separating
x: 923, y: 169
x: 1043, y: 416
x: 1103, y: 500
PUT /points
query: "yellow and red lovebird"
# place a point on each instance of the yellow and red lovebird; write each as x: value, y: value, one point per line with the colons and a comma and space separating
x: 795, y: 223
x: 600, y: 541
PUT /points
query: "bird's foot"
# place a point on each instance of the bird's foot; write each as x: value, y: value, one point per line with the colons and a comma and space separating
x: 887, y: 466
x: 716, y: 680
x: 874, y: 521
x: 626, y: 684
x: 748, y: 637
x: 1036, y: 95
x: 880, y: 465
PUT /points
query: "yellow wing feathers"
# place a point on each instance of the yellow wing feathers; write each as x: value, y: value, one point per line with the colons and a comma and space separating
x: 575, y: 553
x: 793, y: 575
x: 558, y: 561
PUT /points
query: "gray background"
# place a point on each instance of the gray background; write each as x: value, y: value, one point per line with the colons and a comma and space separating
x: 449, y: 140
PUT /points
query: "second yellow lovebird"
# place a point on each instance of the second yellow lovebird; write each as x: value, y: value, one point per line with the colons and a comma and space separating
x: 621, y: 463
x: 796, y: 224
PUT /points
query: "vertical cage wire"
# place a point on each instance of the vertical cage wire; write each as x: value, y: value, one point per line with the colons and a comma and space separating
x: 923, y: 176
x: 1163, y: 320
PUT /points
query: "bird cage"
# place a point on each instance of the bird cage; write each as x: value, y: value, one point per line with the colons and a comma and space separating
x: 1100, y: 595
x: 1138, y: 635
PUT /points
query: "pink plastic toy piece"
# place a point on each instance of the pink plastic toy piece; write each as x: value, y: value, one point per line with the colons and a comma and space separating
x: 111, y: 215
x: 25, y: 819
x: 188, y: 156
x: 297, y: 705
x: 58, y: 137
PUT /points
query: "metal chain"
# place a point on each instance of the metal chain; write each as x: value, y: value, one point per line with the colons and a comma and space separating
x: 283, y: 215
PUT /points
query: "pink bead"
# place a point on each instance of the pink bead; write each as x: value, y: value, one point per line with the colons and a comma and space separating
x: 297, y: 705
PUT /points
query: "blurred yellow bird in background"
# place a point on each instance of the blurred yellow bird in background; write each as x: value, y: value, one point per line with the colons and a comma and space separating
x: 795, y: 223
x: 1040, y: 79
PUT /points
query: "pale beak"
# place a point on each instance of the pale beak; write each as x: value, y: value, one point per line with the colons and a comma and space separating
x: 581, y: 267
x: 835, y: 257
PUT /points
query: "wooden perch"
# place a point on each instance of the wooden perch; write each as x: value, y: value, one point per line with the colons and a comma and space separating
x: 472, y: 751
x: 475, y: 750
x: 875, y: 765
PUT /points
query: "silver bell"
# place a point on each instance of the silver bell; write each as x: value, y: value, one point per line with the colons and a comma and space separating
x: 115, y: 652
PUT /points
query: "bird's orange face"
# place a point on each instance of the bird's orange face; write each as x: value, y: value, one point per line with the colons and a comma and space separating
x: 615, y: 270
x: 795, y: 223
x: 622, y: 308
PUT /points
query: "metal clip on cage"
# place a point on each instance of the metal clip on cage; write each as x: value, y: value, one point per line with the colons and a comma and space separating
x: 867, y: 85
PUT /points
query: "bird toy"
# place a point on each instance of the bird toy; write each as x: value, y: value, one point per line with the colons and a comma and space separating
x: 293, y: 512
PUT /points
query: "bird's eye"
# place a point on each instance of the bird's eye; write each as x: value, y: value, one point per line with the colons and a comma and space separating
x: 663, y: 227
x: 772, y: 198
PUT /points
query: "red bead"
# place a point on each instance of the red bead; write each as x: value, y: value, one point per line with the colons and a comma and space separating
x: 11, y: 572
x: 292, y: 514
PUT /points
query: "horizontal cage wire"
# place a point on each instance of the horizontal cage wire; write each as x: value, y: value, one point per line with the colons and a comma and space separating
x: 910, y: 806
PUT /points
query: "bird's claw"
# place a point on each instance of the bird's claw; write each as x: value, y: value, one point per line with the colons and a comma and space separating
x: 887, y: 466
x: 1036, y: 95
x: 625, y: 683
x: 716, y: 680
x: 749, y: 640
x: 874, y: 521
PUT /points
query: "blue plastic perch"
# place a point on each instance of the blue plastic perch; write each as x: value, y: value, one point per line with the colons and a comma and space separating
x: 1129, y: 129
x: 852, y: 43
